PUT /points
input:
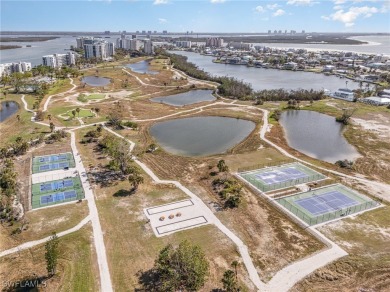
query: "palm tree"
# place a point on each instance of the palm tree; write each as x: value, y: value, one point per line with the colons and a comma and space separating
x: 52, y: 127
x: 235, y: 264
x: 49, y: 117
x: 78, y: 111
x: 135, y: 179
x: 74, y: 113
x: 18, y: 117
x: 221, y: 165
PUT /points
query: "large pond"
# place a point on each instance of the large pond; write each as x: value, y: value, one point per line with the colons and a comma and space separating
x: 201, y: 136
x: 189, y: 97
x: 141, y: 67
x: 96, y: 81
x: 7, y: 109
x: 317, y: 135
x: 261, y: 78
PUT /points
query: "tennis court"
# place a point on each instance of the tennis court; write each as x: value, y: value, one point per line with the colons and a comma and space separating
x: 58, y: 197
x: 327, y: 203
x: 55, y: 192
x: 62, y: 184
x: 279, y: 177
x: 52, y: 162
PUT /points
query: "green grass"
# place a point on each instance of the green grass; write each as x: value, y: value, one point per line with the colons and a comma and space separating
x: 76, y: 269
x: 96, y: 96
x: 11, y: 128
x: 83, y: 113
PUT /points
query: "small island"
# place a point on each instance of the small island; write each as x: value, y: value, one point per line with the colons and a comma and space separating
x: 8, y: 47
x: 26, y: 39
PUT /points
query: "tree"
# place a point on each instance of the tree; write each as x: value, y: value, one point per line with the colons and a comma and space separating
x: 152, y: 147
x: 51, y: 254
x: 222, y: 167
x: 135, y: 179
x: 78, y: 111
x: 184, y: 268
x: 40, y: 115
x: 74, y: 113
x: 235, y: 264
x: 52, y: 127
x: 18, y: 118
x: 49, y: 117
x: 229, y: 282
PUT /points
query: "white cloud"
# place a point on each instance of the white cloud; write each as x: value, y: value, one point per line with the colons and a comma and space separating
x: 352, y: 14
x: 273, y: 6
x: 217, y: 1
x: 279, y: 12
x: 162, y: 20
x: 338, y: 7
x: 159, y: 2
x: 301, y: 2
x: 260, y: 9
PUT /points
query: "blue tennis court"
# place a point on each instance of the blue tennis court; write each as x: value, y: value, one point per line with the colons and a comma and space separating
x: 53, y: 166
x: 57, y: 197
x: 52, y: 158
x: 281, y: 175
x: 56, y: 185
x: 327, y: 202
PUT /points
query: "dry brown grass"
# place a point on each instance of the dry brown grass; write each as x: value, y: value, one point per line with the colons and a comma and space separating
x: 367, y: 267
x: 76, y: 269
x: 130, y: 242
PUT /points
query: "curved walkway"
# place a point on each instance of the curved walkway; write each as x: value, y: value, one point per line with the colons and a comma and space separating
x: 46, y: 104
x: 30, y: 244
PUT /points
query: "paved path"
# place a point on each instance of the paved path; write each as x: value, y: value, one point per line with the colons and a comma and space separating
x: 211, y: 218
x: 30, y: 244
x: 105, y: 279
x: 46, y: 104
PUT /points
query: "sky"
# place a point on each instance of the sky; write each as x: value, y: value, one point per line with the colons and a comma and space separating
x: 197, y: 16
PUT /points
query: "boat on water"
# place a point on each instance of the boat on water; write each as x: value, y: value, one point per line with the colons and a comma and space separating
x: 344, y: 94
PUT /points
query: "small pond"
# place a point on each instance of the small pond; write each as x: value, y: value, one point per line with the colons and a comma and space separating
x: 141, y: 67
x: 96, y: 81
x: 317, y: 135
x: 7, y: 109
x: 189, y: 97
x: 201, y: 136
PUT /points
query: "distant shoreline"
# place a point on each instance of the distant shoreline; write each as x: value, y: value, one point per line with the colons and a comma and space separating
x: 26, y: 39
x: 9, y: 47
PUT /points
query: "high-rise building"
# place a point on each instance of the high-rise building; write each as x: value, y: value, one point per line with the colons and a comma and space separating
x: 183, y: 44
x: 148, y: 47
x: 214, y: 42
x: 59, y: 60
x: 9, y: 68
x: 97, y: 47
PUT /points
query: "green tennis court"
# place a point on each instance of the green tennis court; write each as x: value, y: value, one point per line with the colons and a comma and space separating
x: 52, y: 162
x: 56, y: 192
x: 327, y: 203
x: 280, y: 177
x: 50, y: 186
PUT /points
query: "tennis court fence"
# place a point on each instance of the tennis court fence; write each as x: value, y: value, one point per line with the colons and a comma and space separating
x: 284, y: 184
x: 263, y: 165
x: 313, y: 220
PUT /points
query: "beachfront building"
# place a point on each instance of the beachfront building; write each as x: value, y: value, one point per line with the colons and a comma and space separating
x: 376, y: 100
x: 240, y: 46
x: 59, y: 60
x: 214, y: 42
x: 344, y: 94
x: 183, y: 44
x: 100, y: 49
x: 148, y: 47
x: 9, y: 68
